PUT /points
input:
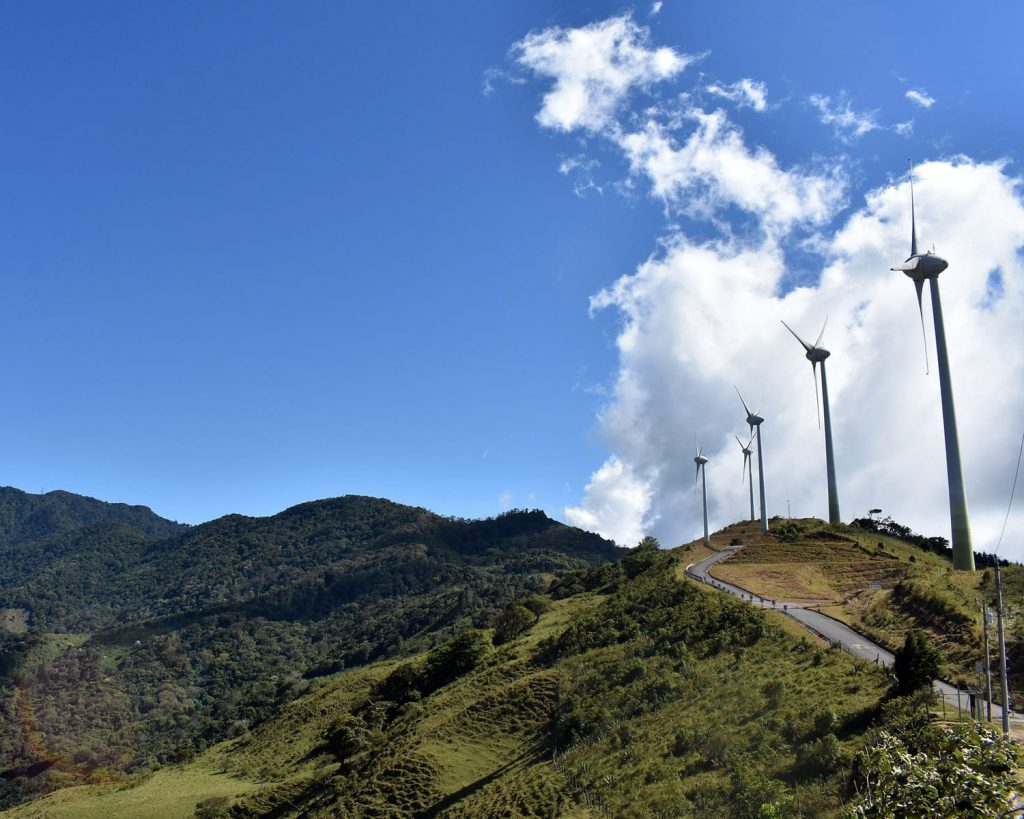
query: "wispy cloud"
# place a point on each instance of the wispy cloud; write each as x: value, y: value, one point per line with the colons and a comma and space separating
x: 904, y: 128
x: 656, y: 7
x: 492, y: 76
x: 744, y: 93
x: 920, y: 97
x: 849, y: 125
x: 581, y: 168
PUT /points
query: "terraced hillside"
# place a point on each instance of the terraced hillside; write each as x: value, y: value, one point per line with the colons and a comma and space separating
x: 880, y: 585
x: 633, y: 694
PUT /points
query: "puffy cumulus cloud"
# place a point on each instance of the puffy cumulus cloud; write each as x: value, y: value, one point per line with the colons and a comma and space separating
x: 713, y: 167
x: 920, y: 98
x: 698, y: 318
x: 617, y: 503
x: 848, y: 125
x: 745, y: 93
x: 594, y: 69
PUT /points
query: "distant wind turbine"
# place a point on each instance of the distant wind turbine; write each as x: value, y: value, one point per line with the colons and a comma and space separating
x: 927, y: 266
x: 817, y: 355
x: 755, y: 420
x: 700, y: 460
x: 748, y: 467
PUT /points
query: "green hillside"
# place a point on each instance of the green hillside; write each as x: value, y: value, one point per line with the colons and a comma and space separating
x: 143, y: 651
x: 634, y: 694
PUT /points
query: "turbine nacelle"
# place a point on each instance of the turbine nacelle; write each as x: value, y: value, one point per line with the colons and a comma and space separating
x: 922, y: 266
x: 700, y: 460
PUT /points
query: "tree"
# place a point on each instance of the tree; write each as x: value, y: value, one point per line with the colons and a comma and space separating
x: 916, y: 664
x: 512, y: 621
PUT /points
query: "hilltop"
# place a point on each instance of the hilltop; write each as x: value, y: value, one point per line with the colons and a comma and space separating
x: 142, y: 649
x: 883, y: 586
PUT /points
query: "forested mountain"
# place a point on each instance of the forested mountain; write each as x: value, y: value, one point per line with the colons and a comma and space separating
x: 148, y: 641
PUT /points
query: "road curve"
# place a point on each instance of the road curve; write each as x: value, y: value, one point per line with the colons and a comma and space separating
x: 822, y: 625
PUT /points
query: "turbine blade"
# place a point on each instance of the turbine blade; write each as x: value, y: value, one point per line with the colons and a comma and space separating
x: 919, y: 284
x: 822, y: 333
x: 743, y: 477
x: 817, y: 401
x: 806, y: 346
x: 913, y: 220
x: 738, y: 441
x: 696, y: 474
x: 744, y: 403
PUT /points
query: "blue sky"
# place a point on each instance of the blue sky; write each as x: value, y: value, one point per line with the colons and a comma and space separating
x: 257, y: 255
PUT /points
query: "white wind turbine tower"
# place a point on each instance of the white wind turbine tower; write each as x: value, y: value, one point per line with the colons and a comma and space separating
x: 927, y: 266
x: 748, y: 466
x: 754, y: 421
x: 817, y: 355
x: 700, y: 460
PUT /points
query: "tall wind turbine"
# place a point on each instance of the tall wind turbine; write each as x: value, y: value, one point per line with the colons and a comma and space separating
x: 754, y: 421
x: 748, y: 466
x: 700, y: 460
x: 927, y: 266
x: 817, y: 355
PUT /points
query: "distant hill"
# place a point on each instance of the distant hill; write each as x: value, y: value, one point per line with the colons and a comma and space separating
x: 25, y: 517
x: 146, y: 649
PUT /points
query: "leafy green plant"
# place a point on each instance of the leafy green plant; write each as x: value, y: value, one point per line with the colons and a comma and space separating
x: 965, y: 772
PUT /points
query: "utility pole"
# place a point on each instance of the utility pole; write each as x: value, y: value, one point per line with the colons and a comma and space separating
x: 988, y: 660
x: 1002, y: 651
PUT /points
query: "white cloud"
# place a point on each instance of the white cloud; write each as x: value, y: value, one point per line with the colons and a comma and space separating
x: 904, y: 128
x: 744, y: 93
x: 616, y: 504
x: 713, y: 168
x: 505, y: 499
x: 595, y: 68
x: 849, y: 125
x: 699, y: 317
x: 920, y: 97
x: 656, y: 7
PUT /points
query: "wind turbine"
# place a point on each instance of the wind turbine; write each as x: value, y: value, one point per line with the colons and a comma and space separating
x: 700, y: 460
x: 748, y: 466
x: 755, y: 420
x: 817, y: 355
x: 927, y: 266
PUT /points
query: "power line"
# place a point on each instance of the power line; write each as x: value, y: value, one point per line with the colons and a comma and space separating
x: 1014, y: 489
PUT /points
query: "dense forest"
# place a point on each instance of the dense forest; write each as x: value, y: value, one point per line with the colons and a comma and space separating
x: 146, y: 641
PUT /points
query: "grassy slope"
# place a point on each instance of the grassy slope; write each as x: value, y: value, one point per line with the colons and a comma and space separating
x: 833, y: 568
x: 657, y: 728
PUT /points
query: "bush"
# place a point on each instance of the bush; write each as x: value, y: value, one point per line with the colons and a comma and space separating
x: 819, y: 758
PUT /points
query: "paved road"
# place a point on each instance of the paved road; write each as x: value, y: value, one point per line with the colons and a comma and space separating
x: 822, y: 625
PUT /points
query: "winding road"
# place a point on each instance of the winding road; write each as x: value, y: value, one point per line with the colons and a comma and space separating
x: 824, y: 626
